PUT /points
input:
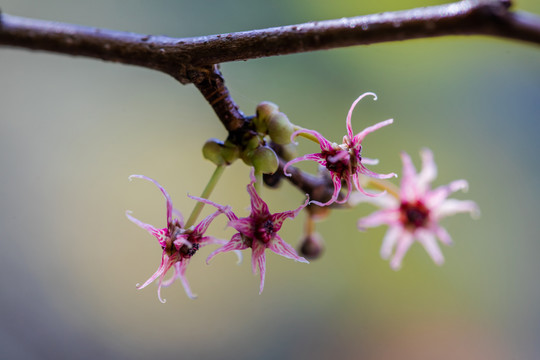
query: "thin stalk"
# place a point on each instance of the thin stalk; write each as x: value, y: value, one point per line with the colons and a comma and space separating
x: 205, y: 195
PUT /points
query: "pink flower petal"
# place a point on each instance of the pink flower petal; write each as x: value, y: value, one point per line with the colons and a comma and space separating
x: 261, y: 262
x: 349, y: 115
x: 313, y: 157
x: 224, y: 209
x: 236, y: 243
x: 281, y: 248
x: 258, y: 206
x: 323, y: 142
x: 429, y: 242
x: 408, y: 191
x: 428, y: 172
x: 279, y: 218
x: 244, y: 226
x: 378, y: 218
x: 358, y: 138
x: 369, y: 161
x: 336, y: 179
x: 403, y: 244
x: 205, y: 223
x: 453, y: 206
x: 443, y: 235
x: 390, y: 240
x: 163, y: 191
x: 437, y: 196
x: 258, y: 260
x: 159, y: 234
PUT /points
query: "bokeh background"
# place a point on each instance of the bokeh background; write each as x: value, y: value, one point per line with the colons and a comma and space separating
x: 73, y: 129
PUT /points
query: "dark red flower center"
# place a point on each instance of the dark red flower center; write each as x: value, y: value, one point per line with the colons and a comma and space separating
x: 414, y: 215
x: 341, y: 165
x: 265, y: 231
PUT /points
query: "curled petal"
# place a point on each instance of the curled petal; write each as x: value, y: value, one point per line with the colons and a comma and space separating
x: 281, y: 248
x: 349, y: 190
x: 163, y: 191
x: 349, y: 115
x: 336, y: 179
x: 323, y: 142
x: 356, y: 180
x: 181, y: 275
x: 236, y: 243
x: 365, y: 171
x: 313, y: 157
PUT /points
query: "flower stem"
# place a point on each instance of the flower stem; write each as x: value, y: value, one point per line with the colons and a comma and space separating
x: 205, y: 195
x: 305, y: 135
x: 258, y: 176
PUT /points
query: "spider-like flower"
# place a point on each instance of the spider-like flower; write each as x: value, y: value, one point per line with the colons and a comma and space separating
x: 178, y: 244
x: 416, y: 214
x: 344, y: 161
x: 258, y: 231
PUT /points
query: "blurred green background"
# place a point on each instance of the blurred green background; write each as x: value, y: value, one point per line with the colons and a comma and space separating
x: 73, y: 129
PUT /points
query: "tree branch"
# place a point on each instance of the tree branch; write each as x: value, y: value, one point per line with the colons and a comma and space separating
x: 175, y: 56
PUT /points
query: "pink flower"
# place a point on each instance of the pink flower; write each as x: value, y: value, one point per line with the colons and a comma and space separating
x: 258, y: 231
x: 416, y: 214
x: 178, y: 244
x: 344, y: 161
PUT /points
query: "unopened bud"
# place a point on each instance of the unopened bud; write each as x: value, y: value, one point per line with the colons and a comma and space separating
x: 264, y: 110
x: 264, y: 160
x: 212, y: 151
x: 280, y: 128
x: 312, y: 246
x: 230, y: 152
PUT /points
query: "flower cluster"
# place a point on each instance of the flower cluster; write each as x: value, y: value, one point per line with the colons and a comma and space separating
x: 412, y: 212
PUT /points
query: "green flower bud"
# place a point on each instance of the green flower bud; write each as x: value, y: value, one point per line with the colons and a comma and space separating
x: 253, y: 143
x: 230, y: 152
x: 212, y: 151
x: 264, y: 160
x: 246, y: 156
x: 280, y: 128
x: 264, y: 110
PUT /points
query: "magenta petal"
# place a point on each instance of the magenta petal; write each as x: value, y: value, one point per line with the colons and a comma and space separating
x: 181, y: 275
x: 174, y: 277
x: 389, y: 241
x: 278, y: 218
x: 404, y: 243
x: 205, y: 223
x: 323, y: 142
x: 258, y: 206
x: 224, y: 209
x: 313, y: 157
x: 236, y: 243
x: 159, y: 234
x: 281, y: 248
x: 336, y: 179
x: 349, y: 189
x: 378, y: 218
x: 349, y: 115
x: 357, y: 140
x: 429, y: 242
x: 261, y: 263
x: 244, y: 226
x: 163, y: 191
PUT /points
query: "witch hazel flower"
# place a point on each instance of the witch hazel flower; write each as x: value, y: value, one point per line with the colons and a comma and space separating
x: 416, y: 213
x: 178, y: 244
x: 258, y: 231
x: 344, y: 161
